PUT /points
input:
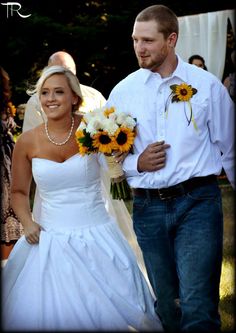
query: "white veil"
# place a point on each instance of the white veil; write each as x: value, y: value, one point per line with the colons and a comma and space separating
x: 119, y: 211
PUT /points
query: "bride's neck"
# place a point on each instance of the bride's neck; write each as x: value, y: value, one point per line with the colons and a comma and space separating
x: 60, y: 125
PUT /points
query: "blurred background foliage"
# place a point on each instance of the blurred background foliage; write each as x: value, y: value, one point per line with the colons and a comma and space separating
x: 96, y: 33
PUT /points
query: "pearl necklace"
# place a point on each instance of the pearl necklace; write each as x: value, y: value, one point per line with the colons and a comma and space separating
x: 66, y: 140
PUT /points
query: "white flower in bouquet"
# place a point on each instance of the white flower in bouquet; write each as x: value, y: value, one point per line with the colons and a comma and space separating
x: 110, y: 126
x: 121, y: 117
x: 94, y: 125
x: 129, y: 122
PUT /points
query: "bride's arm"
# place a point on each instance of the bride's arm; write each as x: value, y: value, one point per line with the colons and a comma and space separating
x: 20, y: 188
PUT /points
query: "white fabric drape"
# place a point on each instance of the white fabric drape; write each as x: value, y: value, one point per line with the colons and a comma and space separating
x: 206, y: 35
x: 118, y: 210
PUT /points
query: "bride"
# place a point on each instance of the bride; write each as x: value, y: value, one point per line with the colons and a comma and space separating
x: 92, y: 99
x: 73, y: 269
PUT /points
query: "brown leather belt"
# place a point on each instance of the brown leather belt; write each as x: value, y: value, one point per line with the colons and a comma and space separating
x: 175, y: 190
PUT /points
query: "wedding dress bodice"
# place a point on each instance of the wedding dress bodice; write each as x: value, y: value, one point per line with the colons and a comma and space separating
x: 74, y: 187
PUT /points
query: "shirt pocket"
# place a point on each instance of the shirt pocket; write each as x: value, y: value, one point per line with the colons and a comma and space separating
x: 187, y: 115
x: 200, y: 113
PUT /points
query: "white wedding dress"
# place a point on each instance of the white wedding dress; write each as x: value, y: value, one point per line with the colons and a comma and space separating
x: 83, y: 274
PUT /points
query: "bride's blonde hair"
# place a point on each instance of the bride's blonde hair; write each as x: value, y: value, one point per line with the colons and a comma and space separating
x: 71, y: 77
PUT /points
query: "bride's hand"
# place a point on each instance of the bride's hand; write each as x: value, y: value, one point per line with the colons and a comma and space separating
x: 119, y: 156
x: 32, y: 233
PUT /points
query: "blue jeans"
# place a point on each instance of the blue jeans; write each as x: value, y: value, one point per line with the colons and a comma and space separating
x: 182, y: 243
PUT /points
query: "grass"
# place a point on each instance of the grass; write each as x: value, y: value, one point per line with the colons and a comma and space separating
x: 227, y: 284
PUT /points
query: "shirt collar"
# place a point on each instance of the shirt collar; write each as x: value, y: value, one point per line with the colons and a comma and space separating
x: 179, y: 72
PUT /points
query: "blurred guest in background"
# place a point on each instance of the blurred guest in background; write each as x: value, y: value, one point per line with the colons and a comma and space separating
x: 229, y: 81
x: 198, y: 61
x: 11, y: 228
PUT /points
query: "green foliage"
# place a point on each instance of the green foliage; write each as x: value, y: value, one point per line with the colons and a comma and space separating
x: 96, y: 33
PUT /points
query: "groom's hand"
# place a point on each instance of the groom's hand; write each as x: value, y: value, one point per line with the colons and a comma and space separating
x: 153, y: 158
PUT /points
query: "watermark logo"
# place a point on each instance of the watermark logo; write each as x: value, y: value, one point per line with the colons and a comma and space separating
x: 14, y: 7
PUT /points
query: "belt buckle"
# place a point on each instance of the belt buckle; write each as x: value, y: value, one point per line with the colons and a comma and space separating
x: 162, y: 196
x: 171, y: 192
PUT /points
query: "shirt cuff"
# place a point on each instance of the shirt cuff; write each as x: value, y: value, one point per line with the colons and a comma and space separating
x: 130, y: 165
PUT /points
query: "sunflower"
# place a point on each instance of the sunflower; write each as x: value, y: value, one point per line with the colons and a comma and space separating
x: 109, y: 111
x: 84, y: 142
x: 83, y: 150
x: 182, y: 92
x: 79, y: 134
x: 124, y: 138
x: 103, y: 142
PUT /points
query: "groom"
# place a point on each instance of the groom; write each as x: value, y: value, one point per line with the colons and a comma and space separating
x: 177, y: 211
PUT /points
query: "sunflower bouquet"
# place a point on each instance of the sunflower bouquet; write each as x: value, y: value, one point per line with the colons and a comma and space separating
x: 107, y: 131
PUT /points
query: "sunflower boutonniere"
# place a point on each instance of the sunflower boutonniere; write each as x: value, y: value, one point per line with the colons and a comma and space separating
x: 183, y: 93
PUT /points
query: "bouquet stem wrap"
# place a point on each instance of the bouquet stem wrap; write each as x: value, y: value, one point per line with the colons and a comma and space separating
x: 119, y: 188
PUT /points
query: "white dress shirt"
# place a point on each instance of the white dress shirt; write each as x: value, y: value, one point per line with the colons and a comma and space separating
x: 193, y: 152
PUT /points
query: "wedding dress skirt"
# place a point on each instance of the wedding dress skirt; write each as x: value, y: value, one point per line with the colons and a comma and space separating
x: 83, y: 274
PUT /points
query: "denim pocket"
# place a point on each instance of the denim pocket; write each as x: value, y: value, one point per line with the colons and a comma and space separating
x: 209, y: 192
x: 139, y: 204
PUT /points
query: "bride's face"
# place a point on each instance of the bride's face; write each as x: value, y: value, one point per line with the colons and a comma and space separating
x: 56, y: 96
